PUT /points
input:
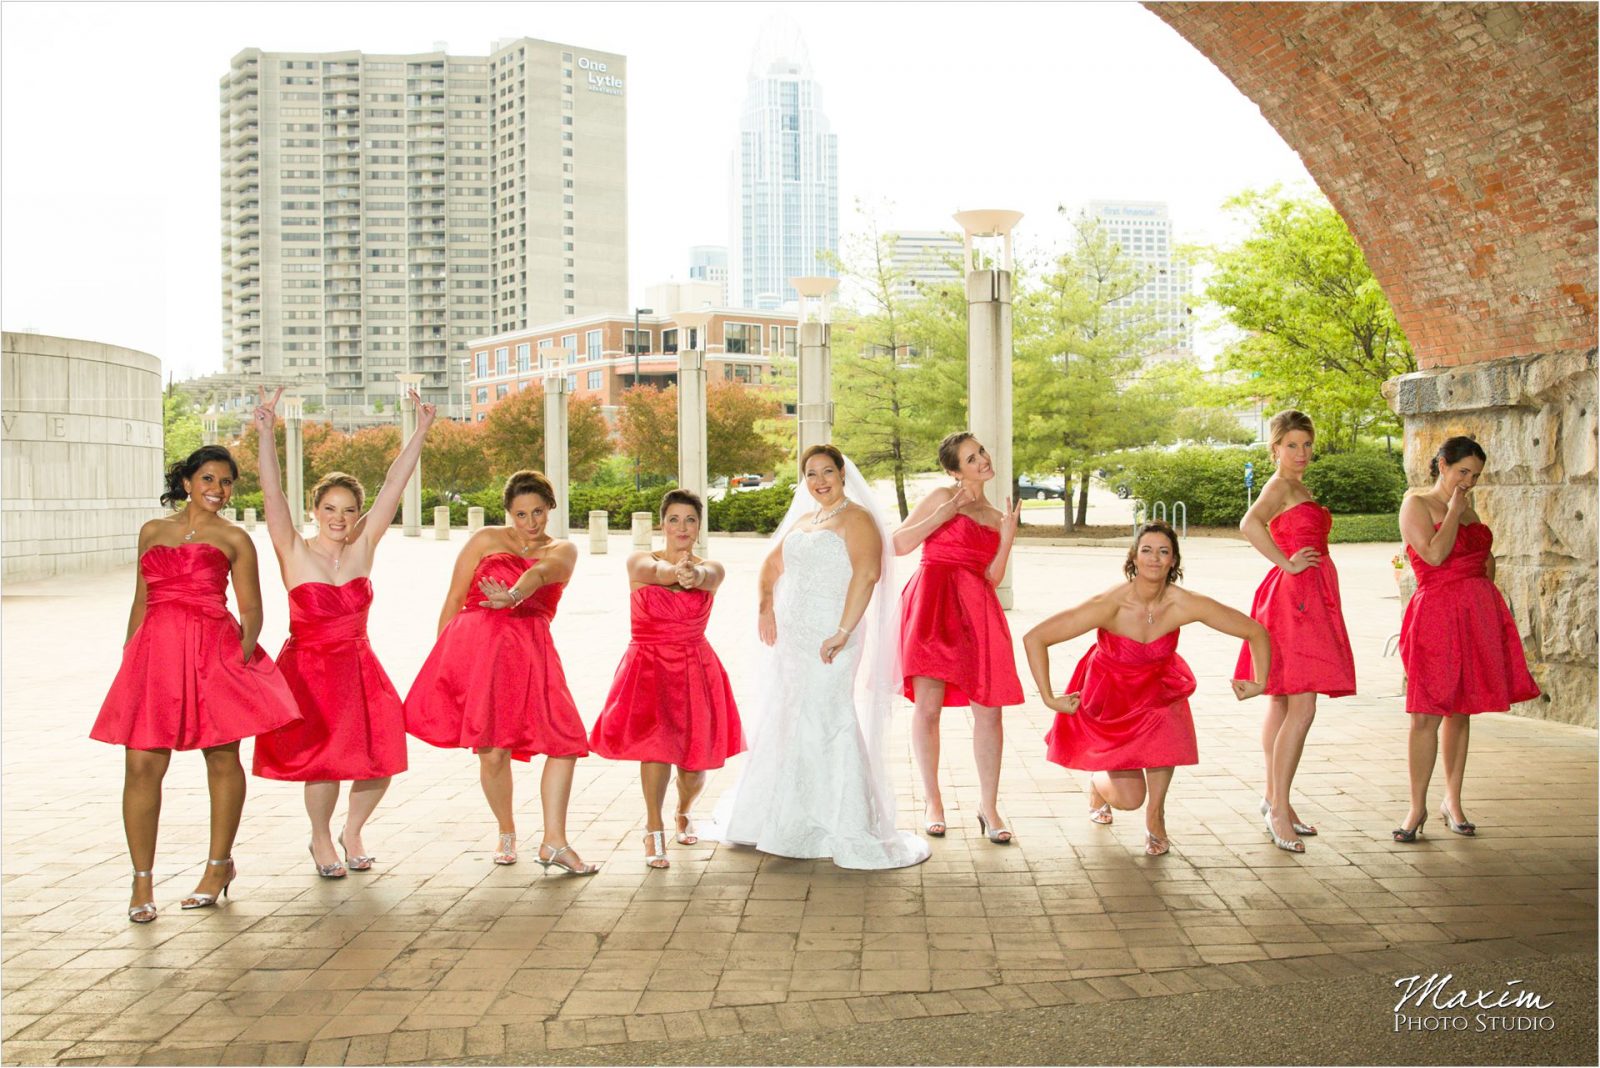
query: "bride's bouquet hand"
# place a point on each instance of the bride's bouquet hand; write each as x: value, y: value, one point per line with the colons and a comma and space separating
x: 767, y: 627
x: 831, y: 647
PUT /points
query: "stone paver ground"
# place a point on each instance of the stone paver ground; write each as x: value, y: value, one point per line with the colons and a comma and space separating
x: 438, y: 954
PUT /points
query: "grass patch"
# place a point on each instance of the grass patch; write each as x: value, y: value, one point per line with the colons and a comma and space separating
x: 1351, y: 528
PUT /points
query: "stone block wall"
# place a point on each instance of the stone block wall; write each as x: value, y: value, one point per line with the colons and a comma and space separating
x: 1535, y: 418
x: 80, y: 454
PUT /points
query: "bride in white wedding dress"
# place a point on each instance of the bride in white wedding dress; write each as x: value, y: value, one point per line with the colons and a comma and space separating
x: 814, y: 783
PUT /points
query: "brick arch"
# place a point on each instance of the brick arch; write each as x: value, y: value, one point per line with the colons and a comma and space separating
x: 1456, y: 140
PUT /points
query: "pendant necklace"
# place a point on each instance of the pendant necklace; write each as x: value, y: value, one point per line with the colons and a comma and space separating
x: 1150, y: 609
x: 823, y: 517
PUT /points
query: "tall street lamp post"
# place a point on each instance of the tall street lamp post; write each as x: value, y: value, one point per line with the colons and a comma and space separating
x: 636, y: 313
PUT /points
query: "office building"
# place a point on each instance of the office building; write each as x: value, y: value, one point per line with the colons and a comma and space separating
x: 602, y: 358
x: 709, y: 263
x: 921, y: 258
x: 380, y: 211
x: 1144, y: 232
x: 785, y: 179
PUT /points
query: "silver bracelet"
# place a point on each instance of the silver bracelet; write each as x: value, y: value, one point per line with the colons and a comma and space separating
x: 516, y: 598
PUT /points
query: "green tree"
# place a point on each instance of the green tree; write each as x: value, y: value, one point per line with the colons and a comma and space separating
x: 1080, y: 340
x: 899, y: 381
x: 181, y: 432
x: 1320, y: 334
x: 452, y: 458
x: 647, y: 429
x: 513, y: 435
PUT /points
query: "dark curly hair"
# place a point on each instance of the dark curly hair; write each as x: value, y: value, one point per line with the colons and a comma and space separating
x: 186, y: 468
x: 1130, y: 565
x: 1453, y: 451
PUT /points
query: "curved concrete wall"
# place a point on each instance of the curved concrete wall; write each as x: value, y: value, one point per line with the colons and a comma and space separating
x: 80, y: 456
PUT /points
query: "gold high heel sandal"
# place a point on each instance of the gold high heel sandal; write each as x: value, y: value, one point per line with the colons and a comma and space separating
x: 145, y: 913
x: 205, y: 901
x: 657, y: 858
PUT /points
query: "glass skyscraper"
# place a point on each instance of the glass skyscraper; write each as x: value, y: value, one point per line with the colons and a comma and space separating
x: 785, y: 180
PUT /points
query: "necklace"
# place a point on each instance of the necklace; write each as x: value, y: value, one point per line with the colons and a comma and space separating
x: 822, y: 517
x: 527, y: 550
x: 338, y: 557
x: 1150, y: 609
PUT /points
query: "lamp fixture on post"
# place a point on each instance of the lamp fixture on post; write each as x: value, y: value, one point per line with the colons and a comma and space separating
x: 635, y: 346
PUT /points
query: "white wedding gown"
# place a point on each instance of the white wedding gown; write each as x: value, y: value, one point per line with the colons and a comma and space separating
x: 807, y: 789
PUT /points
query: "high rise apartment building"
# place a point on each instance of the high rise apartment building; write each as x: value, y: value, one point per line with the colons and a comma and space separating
x: 1143, y: 230
x: 922, y: 258
x: 709, y: 263
x: 785, y: 180
x: 379, y: 211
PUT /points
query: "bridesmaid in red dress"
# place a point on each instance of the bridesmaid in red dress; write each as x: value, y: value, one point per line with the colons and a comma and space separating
x: 493, y: 682
x: 353, y: 725
x: 955, y: 647
x: 1125, y: 715
x: 191, y: 677
x: 1458, y: 641
x: 670, y: 703
x: 1298, y: 603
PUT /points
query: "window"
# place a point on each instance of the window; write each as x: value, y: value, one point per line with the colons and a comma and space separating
x: 570, y: 343
x: 572, y: 383
x: 791, y: 343
x: 483, y: 396
x: 669, y: 341
x: 501, y: 390
x: 594, y: 379
x: 632, y: 346
x: 774, y: 337
x: 592, y: 345
x: 522, y: 358
x: 480, y: 365
x: 741, y: 338
x: 500, y: 365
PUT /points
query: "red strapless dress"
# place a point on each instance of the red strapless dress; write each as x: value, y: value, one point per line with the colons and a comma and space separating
x: 353, y: 725
x: 493, y: 680
x: 1134, y: 710
x: 1310, y: 648
x: 1458, y: 641
x: 184, y: 683
x: 951, y: 625
x: 670, y: 701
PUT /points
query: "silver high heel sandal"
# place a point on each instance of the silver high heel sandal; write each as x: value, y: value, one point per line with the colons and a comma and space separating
x: 205, y: 901
x: 1291, y: 845
x: 1101, y: 815
x: 555, y: 858
x: 1466, y: 828
x: 687, y: 836
x: 1304, y: 830
x: 507, y: 853
x: 145, y: 913
x: 993, y: 831
x: 657, y: 859
x: 359, y: 863
x: 327, y: 871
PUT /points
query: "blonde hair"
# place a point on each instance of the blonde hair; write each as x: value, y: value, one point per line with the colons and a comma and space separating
x: 1285, y: 421
x: 339, y: 480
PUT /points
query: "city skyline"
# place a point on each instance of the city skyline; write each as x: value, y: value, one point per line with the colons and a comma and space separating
x: 152, y: 232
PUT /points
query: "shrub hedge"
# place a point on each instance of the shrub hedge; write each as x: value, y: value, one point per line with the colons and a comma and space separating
x: 1210, y: 481
x: 1357, y: 483
x: 1351, y: 528
x: 759, y: 510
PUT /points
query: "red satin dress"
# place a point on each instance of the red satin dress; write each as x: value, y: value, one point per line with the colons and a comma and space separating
x: 494, y: 680
x: 353, y: 725
x: 670, y: 701
x: 1134, y: 710
x: 184, y: 683
x: 1458, y: 641
x: 1302, y: 614
x: 951, y: 624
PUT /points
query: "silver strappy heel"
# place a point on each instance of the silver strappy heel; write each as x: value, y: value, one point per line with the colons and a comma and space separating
x: 657, y: 859
x: 555, y: 858
x: 205, y: 901
x: 1305, y: 830
x: 145, y: 913
x: 356, y: 863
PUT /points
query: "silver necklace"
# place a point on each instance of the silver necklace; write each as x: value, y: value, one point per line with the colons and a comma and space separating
x: 1150, y: 609
x: 823, y: 517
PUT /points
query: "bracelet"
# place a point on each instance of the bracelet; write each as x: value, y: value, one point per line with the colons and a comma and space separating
x: 516, y: 598
x: 845, y: 632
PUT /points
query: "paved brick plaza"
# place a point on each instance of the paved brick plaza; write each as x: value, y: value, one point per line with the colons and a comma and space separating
x: 439, y: 954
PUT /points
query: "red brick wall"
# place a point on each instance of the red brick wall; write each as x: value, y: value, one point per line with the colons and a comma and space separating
x: 1457, y: 140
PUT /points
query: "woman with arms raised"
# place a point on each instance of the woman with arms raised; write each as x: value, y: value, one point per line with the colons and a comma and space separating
x: 670, y: 703
x: 955, y: 646
x: 493, y: 683
x: 191, y: 677
x: 352, y: 725
x: 1125, y: 716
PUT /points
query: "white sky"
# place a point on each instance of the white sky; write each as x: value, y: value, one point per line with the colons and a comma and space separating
x: 111, y: 204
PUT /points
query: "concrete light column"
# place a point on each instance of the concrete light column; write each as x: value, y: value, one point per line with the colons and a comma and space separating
x: 555, y: 449
x: 411, y: 503
x: 692, y: 456
x: 814, y: 396
x: 208, y: 426
x: 294, y: 462
x: 989, y: 354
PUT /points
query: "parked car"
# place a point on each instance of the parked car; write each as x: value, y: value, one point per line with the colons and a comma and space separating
x: 745, y: 481
x: 1038, y: 489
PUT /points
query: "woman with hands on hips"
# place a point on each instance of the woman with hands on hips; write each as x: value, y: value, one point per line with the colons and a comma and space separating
x: 1125, y: 715
x: 955, y: 646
